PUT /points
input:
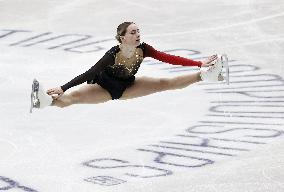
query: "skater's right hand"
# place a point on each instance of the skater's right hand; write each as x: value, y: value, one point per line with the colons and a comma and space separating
x: 209, y: 61
x: 55, y: 92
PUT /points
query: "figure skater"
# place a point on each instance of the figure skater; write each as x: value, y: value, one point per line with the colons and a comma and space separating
x: 113, y: 76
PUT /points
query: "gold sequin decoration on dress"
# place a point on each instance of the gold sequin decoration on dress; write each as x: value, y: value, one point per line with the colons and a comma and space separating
x: 128, y: 66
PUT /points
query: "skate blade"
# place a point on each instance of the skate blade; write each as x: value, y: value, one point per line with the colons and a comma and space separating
x: 35, y: 88
x: 226, y: 64
x: 31, y: 108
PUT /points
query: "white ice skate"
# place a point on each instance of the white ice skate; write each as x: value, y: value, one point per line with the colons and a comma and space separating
x: 214, y: 72
x: 39, y: 99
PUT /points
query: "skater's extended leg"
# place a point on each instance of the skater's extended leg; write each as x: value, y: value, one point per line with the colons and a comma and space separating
x: 148, y: 85
x: 93, y: 94
x: 86, y: 94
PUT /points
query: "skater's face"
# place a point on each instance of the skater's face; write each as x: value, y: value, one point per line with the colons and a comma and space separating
x: 132, y: 36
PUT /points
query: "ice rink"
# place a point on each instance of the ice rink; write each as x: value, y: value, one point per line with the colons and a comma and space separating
x: 208, y: 137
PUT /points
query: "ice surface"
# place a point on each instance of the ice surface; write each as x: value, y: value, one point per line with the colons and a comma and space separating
x: 204, y: 138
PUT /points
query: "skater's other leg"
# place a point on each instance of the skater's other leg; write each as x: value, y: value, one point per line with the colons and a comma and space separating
x: 148, y: 85
x: 86, y: 94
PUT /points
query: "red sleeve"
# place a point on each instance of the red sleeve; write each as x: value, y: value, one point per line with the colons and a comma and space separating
x: 171, y: 59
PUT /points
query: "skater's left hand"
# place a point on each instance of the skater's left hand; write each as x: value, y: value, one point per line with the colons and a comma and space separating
x: 55, y: 93
x: 209, y: 61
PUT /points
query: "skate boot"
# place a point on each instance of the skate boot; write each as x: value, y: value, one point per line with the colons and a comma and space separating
x: 213, y: 73
x: 39, y: 99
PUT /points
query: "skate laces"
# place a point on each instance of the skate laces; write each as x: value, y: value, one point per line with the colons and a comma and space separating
x: 211, y: 68
x: 217, y: 62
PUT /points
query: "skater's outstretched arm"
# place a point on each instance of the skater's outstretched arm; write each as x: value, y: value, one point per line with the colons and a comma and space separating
x: 176, y: 60
x: 87, y: 76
